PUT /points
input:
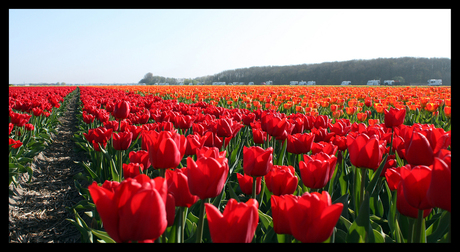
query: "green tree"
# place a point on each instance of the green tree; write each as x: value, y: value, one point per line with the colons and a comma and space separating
x: 401, y: 80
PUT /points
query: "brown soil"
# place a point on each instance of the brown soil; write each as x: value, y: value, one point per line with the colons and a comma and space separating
x: 37, y: 213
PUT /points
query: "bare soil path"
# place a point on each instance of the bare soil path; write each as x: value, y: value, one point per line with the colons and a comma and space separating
x: 37, y: 213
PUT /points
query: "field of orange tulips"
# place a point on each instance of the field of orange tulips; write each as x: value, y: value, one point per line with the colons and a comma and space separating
x: 262, y: 164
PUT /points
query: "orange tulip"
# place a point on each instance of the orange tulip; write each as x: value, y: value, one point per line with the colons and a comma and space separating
x: 350, y: 110
x: 431, y: 106
x: 362, y: 117
x: 448, y: 111
x: 337, y: 114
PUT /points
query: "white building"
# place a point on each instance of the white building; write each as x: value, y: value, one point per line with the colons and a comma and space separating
x: 373, y: 82
x: 434, y: 82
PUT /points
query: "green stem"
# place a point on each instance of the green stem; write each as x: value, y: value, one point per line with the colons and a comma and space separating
x: 359, y: 194
x: 287, y: 238
x: 199, y: 234
x: 181, y: 224
x: 162, y: 173
x: 363, y: 182
x: 254, y: 186
x: 419, y: 229
x: 222, y: 148
x: 99, y: 165
x: 120, y: 165
x: 391, y: 143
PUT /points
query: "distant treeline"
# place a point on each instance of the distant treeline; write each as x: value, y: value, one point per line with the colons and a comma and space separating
x: 408, y: 70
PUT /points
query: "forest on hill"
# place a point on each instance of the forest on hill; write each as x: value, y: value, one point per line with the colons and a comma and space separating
x: 408, y: 70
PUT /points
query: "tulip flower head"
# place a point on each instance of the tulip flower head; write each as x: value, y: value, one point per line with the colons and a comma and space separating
x: 312, y: 217
x: 133, y: 210
x: 121, y: 110
x: 257, y: 161
x: 281, y: 180
x: 237, y: 224
x: 316, y: 170
x: 165, y: 149
x: 122, y: 140
x: 207, y: 175
x: 365, y: 151
x: 394, y: 117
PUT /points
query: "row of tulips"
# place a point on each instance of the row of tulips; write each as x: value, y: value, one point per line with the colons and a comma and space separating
x: 33, y: 113
x: 161, y: 170
x: 424, y: 105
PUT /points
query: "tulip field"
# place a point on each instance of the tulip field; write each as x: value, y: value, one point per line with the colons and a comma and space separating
x: 249, y: 164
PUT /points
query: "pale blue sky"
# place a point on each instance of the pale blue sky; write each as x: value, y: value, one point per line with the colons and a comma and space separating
x: 122, y: 45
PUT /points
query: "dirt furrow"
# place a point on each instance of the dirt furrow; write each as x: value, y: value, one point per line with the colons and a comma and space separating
x: 37, y: 212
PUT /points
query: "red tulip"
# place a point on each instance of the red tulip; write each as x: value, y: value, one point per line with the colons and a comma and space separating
x: 96, y: 145
x: 341, y: 127
x: 133, y: 210
x: 10, y: 128
x: 39, y: 111
x: 122, y: 140
x: 404, y: 207
x: 393, y: 177
x: 131, y: 170
x: 226, y: 127
x: 111, y: 125
x: 280, y: 213
x: 206, y: 176
x: 29, y: 127
x: 340, y: 142
x: 321, y: 135
x: 312, y: 217
x: 316, y: 170
x: 277, y: 127
x: 87, y: 118
x: 326, y: 147
x: 416, y: 181
x: 102, y: 115
x: 177, y: 181
x: 322, y: 121
x: 19, y: 119
x: 194, y: 142
x: 14, y: 143
x: 394, y: 117
x: 166, y: 148
x: 249, y: 118
x: 141, y: 157
x: 136, y: 130
x: 300, y: 143
x: 183, y: 121
x: 259, y: 136
x: 212, y: 140
x: 439, y: 192
x: 281, y: 180
x: 246, y: 182
x: 365, y: 151
x: 237, y: 224
x: 424, y: 145
x: 101, y: 134
x: 257, y: 161
x: 121, y: 110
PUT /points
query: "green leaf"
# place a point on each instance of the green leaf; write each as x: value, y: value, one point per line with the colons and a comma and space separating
x: 371, y: 186
x: 85, y: 231
x: 265, y: 219
x: 444, y: 222
x: 88, y: 169
x: 361, y: 231
x: 102, y: 235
